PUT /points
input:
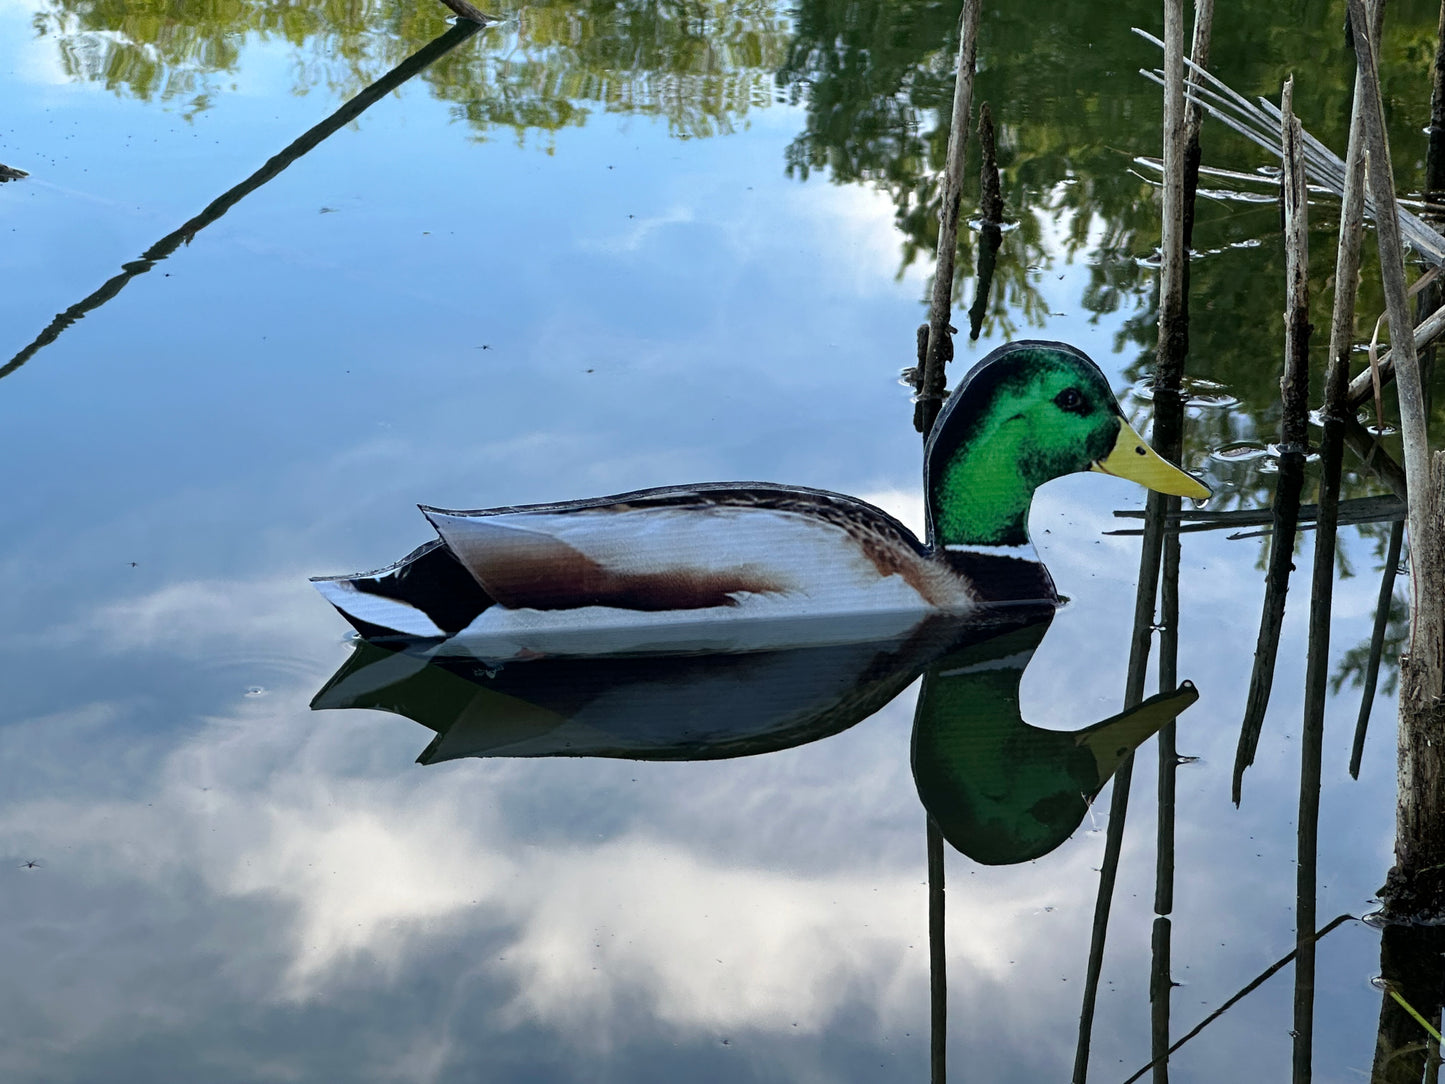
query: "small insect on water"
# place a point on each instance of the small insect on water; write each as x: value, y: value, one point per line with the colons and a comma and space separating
x: 31, y: 863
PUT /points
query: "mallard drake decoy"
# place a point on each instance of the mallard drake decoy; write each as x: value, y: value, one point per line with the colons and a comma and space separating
x: 665, y: 569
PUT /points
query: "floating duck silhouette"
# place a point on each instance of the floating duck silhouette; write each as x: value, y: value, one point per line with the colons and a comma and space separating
x: 751, y: 566
x: 637, y: 707
x: 1001, y: 790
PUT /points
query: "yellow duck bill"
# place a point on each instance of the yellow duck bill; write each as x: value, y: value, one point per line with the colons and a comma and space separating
x: 1131, y: 458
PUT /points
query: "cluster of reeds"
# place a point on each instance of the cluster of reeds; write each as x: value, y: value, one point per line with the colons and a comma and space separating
x: 1413, y: 971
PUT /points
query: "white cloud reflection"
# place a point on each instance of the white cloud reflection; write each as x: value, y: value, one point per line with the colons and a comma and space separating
x: 295, y: 862
x: 356, y: 871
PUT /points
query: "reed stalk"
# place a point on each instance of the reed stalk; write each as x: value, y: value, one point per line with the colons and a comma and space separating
x: 1417, y: 883
x: 933, y: 380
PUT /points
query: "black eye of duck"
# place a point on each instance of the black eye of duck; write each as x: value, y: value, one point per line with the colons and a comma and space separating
x: 1070, y: 399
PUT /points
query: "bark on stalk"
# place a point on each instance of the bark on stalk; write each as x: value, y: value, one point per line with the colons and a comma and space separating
x: 1295, y: 391
x: 1427, y: 623
x: 933, y: 380
x: 990, y: 205
x: 1435, y: 150
x: 1416, y: 886
x: 1417, y: 881
x: 466, y: 11
x: 1294, y: 435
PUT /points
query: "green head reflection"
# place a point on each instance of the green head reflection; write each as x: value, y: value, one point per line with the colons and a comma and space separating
x: 1003, y: 791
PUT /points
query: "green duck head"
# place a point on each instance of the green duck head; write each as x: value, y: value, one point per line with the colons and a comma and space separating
x: 1029, y: 412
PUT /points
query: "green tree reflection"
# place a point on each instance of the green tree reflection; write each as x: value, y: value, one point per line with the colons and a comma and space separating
x: 873, y: 81
x: 701, y: 65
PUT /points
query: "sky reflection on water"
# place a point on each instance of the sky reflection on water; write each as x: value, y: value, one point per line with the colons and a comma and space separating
x: 234, y: 887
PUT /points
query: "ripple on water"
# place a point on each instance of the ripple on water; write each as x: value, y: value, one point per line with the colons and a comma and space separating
x: 1210, y: 394
x: 1198, y: 392
x: 1241, y: 451
x: 255, y: 675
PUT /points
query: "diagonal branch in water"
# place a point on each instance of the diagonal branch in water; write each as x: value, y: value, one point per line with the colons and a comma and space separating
x: 421, y: 59
x: 1249, y: 988
x: 1372, y: 456
x: 1379, y: 509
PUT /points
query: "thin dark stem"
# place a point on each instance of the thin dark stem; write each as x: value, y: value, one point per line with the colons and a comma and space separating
x: 1170, y: 354
x: 1380, y: 509
x: 937, y: 960
x: 1281, y: 562
x: 991, y: 211
x: 1294, y: 394
x: 1160, y: 984
x: 1377, y: 643
x: 1295, y: 390
x: 1168, y: 751
x: 1149, y: 560
x: 1103, y: 901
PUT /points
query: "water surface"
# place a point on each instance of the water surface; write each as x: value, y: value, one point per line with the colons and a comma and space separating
x: 596, y: 249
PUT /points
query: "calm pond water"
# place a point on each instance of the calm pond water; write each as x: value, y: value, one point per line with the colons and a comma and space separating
x: 596, y: 248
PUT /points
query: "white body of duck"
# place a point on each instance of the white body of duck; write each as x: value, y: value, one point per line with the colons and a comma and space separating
x: 748, y: 566
x: 724, y: 566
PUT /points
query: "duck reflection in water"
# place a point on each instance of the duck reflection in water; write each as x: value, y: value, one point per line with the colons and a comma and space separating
x: 1001, y: 790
